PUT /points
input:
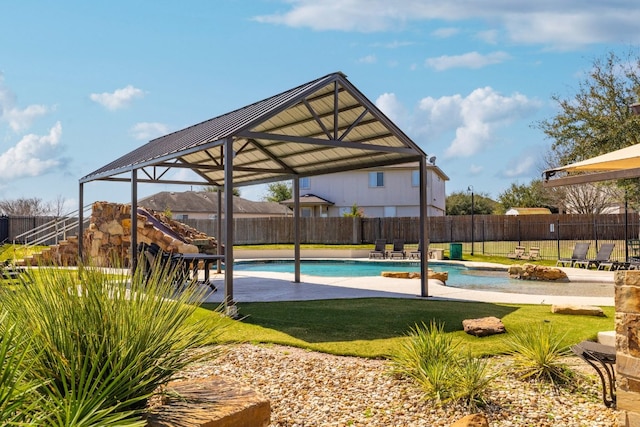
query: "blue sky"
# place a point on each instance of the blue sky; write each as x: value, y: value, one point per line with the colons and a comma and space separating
x: 82, y: 83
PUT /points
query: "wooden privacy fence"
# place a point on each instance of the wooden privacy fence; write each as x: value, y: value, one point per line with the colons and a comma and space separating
x: 443, y: 229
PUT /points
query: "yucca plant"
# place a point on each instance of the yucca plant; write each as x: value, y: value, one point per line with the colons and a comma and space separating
x: 18, y: 398
x: 538, y: 353
x: 431, y: 358
x: 104, y: 343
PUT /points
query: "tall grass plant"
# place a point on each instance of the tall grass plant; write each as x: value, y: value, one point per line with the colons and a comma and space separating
x: 103, y: 344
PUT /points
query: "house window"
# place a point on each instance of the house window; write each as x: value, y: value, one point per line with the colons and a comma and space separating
x: 389, y: 211
x: 305, y: 183
x: 182, y: 216
x: 376, y: 179
x: 415, y: 178
x: 305, y: 212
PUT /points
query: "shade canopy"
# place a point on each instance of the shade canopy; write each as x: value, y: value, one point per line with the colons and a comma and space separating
x: 619, y: 164
x: 320, y: 127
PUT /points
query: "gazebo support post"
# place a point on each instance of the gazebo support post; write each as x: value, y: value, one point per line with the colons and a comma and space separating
x: 80, y: 223
x: 296, y: 228
x: 133, y: 250
x: 219, y: 231
x: 229, y: 306
x: 424, y: 233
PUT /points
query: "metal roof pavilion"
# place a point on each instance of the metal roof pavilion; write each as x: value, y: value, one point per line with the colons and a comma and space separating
x: 321, y: 127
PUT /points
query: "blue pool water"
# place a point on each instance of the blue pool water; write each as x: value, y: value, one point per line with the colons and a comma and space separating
x: 459, y: 276
x: 353, y: 268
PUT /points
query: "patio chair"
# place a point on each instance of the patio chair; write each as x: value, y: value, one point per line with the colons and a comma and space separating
x: 398, y: 249
x: 155, y: 258
x: 579, y: 254
x: 416, y: 254
x: 602, y: 256
x: 517, y: 253
x: 379, y: 251
x: 12, y: 275
x: 532, y: 255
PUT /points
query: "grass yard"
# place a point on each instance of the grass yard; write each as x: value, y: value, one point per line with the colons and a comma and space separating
x: 374, y: 327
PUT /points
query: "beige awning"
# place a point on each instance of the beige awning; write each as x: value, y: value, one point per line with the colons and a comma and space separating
x: 619, y: 164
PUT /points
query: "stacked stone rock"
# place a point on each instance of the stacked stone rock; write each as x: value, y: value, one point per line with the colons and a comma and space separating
x: 627, y: 299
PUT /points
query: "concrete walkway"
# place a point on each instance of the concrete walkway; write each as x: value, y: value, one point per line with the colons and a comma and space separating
x: 266, y: 286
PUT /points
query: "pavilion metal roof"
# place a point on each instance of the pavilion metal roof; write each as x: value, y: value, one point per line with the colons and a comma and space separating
x: 323, y: 126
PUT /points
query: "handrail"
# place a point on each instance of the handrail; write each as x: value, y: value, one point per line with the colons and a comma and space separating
x: 54, y: 229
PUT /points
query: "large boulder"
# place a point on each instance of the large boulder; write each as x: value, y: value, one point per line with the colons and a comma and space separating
x: 483, y: 326
x: 473, y: 420
x: 537, y: 272
x: 584, y: 310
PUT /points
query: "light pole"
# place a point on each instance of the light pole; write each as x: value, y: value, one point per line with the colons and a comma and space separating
x: 470, y: 188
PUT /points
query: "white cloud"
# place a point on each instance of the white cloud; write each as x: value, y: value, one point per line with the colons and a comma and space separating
x: 556, y: 24
x: 17, y: 119
x: 33, y: 155
x: 388, y: 103
x: 476, y: 169
x: 445, y: 33
x: 369, y: 59
x: 146, y: 130
x: 120, y: 98
x: 472, y: 60
x: 473, y: 120
x: 520, y: 167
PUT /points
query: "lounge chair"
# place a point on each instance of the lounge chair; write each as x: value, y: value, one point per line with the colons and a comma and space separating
x: 579, y: 254
x: 155, y: 258
x: 517, y: 253
x: 602, y: 256
x: 379, y: 251
x: 532, y: 255
x: 416, y: 254
x: 398, y: 249
x: 10, y: 274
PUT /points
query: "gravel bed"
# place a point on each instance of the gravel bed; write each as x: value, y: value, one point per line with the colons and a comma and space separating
x: 308, y: 389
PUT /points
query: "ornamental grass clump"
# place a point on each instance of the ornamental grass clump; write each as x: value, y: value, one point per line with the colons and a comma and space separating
x: 432, y: 358
x: 103, y: 344
x: 538, y: 353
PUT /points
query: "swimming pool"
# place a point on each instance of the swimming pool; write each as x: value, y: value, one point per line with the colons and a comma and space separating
x: 459, y: 275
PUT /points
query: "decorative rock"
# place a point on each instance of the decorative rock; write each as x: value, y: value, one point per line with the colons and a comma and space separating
x: 473, y: 420
x: 213, y: 402
x: 439, y: 275
x: 584, y: 310
x: 483, y: 326
x: 536, y: 272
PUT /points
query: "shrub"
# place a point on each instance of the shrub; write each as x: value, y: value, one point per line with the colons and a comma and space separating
x: 104, y: 343
x: 431, y: 358
x: 17, y: 395
x: 537, y: 353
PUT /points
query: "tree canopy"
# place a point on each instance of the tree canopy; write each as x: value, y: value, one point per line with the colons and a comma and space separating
x: 532, y: 195
x: 278, y: 191
x: 459, y: 203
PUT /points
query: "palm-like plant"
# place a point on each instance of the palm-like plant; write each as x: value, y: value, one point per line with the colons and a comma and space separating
x: 538, y: 353
x: 104, y: 343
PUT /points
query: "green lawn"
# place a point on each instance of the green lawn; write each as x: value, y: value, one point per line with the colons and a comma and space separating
x: 373, y: 327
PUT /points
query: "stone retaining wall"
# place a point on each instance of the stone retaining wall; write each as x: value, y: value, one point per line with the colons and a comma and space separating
x: 627, y: 300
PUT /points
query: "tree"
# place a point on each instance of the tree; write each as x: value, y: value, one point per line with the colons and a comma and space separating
x: 597, y: 119
x: 24, y: 207
x: 354, y: 212
x: 214, y: 189
x: 278, y: 191
x: 532, y: 195
x: 459, y: 203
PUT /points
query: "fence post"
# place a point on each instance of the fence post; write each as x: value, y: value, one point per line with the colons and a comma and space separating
x: 483, y: 235
x: 558, y: 236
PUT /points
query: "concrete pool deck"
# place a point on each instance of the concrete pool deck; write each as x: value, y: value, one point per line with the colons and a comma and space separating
x: 268, y: 286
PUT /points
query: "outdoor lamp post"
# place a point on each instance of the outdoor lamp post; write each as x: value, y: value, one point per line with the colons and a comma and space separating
x: 470, y: 188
